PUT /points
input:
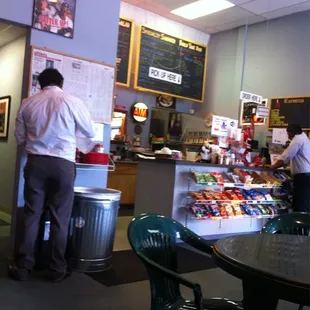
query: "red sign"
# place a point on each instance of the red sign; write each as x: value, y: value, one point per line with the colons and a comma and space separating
x: 140, y: 112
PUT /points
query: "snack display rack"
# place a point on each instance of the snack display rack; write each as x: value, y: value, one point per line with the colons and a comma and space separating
x: 227, y: 200
x: 166, y: 187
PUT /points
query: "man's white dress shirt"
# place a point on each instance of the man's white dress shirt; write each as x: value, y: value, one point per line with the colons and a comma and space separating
x: 47, y: 123
x: 298, y: 154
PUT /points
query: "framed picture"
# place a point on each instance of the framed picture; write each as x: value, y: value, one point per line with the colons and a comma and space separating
x: 165, y: 102
x: 5, y: 105
x: 248, y: 113
x: 57, y: 16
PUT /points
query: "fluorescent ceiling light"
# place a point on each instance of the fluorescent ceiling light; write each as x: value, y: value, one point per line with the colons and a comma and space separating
x: 202, y: 8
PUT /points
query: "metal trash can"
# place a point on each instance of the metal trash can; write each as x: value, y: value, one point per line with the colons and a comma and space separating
x: 92, y: 229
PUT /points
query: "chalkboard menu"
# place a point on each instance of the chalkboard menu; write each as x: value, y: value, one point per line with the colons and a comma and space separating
x: 170, y: 66
x: 124, y: 51
x: 290, y: 110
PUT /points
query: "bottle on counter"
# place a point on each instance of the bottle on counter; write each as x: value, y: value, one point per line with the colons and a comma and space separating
x: 233, y: 159
x: 221, y: 159
x: 99, y: 148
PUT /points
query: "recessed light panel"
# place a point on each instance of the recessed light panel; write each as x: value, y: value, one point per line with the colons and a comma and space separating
x: 202, y: 8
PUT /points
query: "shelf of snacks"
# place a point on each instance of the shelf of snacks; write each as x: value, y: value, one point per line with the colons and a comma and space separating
x: 241, y: 178
x: 234, y: 211
x: 236, y: 195
x: 240, y: 194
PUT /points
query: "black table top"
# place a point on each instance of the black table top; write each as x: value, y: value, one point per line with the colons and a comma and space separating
x: 272, y: 260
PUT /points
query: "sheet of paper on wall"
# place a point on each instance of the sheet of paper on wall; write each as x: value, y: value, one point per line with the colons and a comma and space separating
x: 262, y: 112
x: 246, y: 97
x: 219, y: 126
x: 92, y: 82
x: 279, y: 136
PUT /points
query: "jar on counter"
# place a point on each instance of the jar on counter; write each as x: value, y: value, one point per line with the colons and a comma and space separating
x: 99, y: 148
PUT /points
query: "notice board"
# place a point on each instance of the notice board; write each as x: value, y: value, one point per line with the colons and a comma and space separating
x: 92, y: 82
x: 289, y: 110
x: 124, y: 51
x: 170, y: 66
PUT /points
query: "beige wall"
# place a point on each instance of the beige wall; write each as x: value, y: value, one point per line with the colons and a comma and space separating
x: 11, y: 68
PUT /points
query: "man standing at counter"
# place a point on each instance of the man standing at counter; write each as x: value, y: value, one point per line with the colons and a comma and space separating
x: 46, y: 126
x: 298, y: 155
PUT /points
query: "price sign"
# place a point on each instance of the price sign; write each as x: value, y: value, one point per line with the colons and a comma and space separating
x: 262, y: 112
x: 251, y: 97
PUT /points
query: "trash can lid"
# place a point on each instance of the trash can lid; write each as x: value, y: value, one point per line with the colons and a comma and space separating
x: 98, y: 193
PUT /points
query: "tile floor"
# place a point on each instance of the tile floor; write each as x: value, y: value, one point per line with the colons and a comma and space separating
x: 80, y: 292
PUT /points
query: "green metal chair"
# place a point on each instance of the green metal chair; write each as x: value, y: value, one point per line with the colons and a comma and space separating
x: 289, y: 223
x: 154, y: 238
x: 296, y: 223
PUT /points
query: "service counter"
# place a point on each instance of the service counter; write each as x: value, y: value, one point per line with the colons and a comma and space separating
x: 163, y: 187
x: 124, y: 179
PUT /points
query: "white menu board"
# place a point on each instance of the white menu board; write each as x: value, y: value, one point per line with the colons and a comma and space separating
x: 92, y: 82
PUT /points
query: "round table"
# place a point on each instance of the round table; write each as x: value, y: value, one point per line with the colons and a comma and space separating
x: 272, y: 267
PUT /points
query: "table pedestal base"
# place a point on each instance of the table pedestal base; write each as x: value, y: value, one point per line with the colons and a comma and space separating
x: 256, y: 297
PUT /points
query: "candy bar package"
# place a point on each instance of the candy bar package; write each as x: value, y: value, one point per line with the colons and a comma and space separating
x: 224, y: 196
x: 262, y: 210
x: 250, y: 210
x: 222, y: 210
x: 199, y: 177
x: 257, y: 178
x: 208, y: 195
x: 206, y: 211
x: 226, y: 178
x: 216, y: 195
x: 229, y: 209
x: 218, y: 177
x: 196, y: 211
x: 238, y: 211
x: 244, y: 176
x: 235, y: 178
x: 209, y: 178
x: 239, y: 194
x: 215, y: 211
x: 198, y: 196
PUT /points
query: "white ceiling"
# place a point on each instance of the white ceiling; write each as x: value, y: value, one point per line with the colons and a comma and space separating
x: 245, y: 12
x: 9, y: 33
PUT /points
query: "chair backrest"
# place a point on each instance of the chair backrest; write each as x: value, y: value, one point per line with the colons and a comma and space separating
x: 155, y: 237
x: 290, y: 223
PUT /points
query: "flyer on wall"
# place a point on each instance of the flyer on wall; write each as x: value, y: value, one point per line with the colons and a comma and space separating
x: 91, y: 82
x: 57, y: 16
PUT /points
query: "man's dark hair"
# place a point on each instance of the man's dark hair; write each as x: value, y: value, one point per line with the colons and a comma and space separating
x: 294, y: 129
x: 50, y: 77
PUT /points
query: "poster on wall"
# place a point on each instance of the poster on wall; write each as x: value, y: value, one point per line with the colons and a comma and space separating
x: 92, y: 82
x: 57, y: 16
x: 248, y: 113
x: 223, y: 126
x: 5, y: 105
x: 165, y: 102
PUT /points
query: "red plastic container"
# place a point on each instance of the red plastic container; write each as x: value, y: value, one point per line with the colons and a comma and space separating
x: 95, y: 158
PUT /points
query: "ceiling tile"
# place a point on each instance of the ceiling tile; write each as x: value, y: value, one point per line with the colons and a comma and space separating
x: 225, y: 16
x: 288, y: 10
x: 239, y: 23
x: 263, y: 6
x: 238, y: 2
x: 172, y: 4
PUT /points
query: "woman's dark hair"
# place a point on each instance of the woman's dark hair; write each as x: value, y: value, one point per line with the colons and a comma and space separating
x: 50, y: 77
x: 294, y: 129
